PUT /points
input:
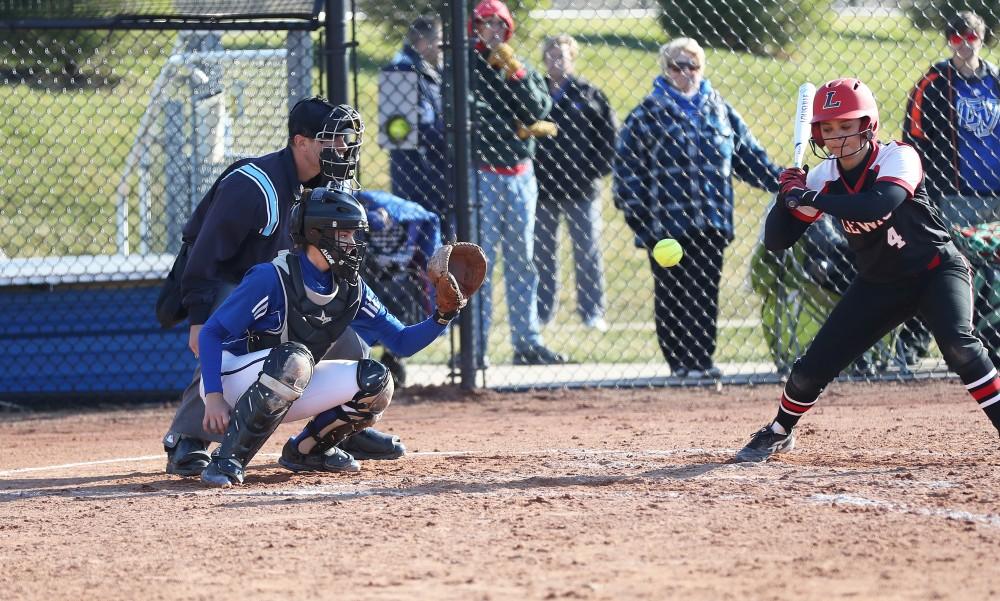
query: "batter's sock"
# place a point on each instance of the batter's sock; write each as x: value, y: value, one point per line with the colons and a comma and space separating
x: 790, y: 410
x: 986, y: 392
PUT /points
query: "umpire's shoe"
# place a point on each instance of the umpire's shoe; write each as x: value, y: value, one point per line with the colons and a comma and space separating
x: 765, y: 442
x: 334, y: 460
x: 186, y: 456
x: 372, y: 444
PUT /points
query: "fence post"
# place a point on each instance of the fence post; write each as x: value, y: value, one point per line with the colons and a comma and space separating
x: 460, y: 137
x: 336, y: 51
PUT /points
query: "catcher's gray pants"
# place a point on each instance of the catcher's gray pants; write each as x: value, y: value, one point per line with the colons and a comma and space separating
x: 187, y: 420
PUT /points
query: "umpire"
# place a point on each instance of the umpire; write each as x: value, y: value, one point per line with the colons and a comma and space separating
x: 241, y: 222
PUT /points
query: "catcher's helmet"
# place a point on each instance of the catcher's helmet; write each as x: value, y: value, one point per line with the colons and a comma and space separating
x: 323, y: 218
x: 343, y: 131
x: 846, y: 98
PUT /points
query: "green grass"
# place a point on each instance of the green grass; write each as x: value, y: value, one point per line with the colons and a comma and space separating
x: 64, y: 152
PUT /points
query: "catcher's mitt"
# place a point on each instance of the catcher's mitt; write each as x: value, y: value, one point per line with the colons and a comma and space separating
x: 457, y: 271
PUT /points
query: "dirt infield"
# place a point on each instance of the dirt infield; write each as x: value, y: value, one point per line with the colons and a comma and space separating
x: 891, y: 494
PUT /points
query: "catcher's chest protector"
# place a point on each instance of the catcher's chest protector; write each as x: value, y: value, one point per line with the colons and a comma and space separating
x: 311, y: 319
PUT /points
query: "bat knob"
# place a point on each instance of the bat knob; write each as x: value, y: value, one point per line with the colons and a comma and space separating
x: 792, y: 203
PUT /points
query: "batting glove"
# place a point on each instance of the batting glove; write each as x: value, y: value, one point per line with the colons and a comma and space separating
x: 792, y: 177
x: 798, y: 197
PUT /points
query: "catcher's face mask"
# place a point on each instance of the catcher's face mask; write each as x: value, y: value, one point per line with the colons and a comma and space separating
x: 344, y: 250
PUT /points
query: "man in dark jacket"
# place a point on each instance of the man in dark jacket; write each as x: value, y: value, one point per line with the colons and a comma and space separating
x: 420, y: 174
x: 953, y: 120
x: 569, y: 167
x: 242, y: 221
x: 510, y: 104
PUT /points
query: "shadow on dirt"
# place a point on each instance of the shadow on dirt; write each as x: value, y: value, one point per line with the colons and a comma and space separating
x: 450, y: 487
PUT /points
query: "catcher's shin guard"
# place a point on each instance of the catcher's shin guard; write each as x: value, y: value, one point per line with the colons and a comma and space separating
x: 286, y: 372
x: 331, y: 427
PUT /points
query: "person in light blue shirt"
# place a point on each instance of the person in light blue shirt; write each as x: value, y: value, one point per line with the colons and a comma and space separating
x: 259, y: 349
x: 953, y: 120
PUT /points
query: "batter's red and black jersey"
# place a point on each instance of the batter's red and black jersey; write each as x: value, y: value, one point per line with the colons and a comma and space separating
x: 900, y: 244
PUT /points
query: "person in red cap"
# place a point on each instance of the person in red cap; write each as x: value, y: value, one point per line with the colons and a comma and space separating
x: 907, y: 264
x: 511, y: 103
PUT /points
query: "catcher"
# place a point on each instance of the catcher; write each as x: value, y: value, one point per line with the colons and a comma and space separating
x: 259, y: 348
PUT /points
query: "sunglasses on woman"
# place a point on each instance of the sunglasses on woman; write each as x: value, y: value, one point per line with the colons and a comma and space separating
x: 678, y: 67
x: 957, y: 38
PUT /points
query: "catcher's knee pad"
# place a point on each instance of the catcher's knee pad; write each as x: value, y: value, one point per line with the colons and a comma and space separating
x: 375, y: 389
x: 804, y: 386
x: 283, y: 377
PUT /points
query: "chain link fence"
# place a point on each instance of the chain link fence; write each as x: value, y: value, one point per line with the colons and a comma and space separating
x: 583, y: 151
x: 117, y: 118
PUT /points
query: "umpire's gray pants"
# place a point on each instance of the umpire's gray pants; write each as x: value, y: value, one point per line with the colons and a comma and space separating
x: 189, y: 416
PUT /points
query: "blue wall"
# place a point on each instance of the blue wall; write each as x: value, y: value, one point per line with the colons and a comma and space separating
x: 93, y: 339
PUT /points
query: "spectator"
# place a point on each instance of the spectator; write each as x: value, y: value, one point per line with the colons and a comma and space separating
x: 676, y: 155
x: 420, y: 174
x: 403, y: 236
x: 953, y: 120
x: 569, y: 168
x: 510, y: 103
x: 244, y: 218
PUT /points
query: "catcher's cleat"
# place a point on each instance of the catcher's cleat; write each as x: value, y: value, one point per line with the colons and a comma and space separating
x: 223, y: 473
x: 538, y: 355
x: 372, y: 444
x: 187, y: 457
x: 765, y: 443
x: 333, y: 460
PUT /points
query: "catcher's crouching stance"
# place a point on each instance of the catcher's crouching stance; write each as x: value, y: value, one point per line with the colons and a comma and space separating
x: 258, y: 348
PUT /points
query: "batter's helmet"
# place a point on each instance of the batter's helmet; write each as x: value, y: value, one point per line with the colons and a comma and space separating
x: 846, y: 98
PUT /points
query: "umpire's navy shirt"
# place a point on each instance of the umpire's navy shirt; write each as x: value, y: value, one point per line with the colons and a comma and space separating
x: 241, y: 221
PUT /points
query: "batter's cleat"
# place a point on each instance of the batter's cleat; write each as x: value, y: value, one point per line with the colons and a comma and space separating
x: 223, y: 473
x: 372, y: 444
x: 187, y: 456
x: 765, y: 443
x: 334, y: 460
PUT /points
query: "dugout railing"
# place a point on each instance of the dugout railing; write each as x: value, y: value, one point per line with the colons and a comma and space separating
x: 117, y: 115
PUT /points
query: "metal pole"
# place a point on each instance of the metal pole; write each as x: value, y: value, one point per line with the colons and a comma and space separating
x: 299, y: 66
x: 461, y: 136
x: 336, y: 51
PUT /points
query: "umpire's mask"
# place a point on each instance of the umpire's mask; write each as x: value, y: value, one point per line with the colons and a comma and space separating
x: 341, y: 136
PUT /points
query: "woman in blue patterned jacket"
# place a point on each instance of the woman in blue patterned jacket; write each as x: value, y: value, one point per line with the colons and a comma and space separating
x: 676, y: 155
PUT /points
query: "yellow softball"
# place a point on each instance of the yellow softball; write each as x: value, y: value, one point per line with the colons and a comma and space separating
x: 668, y: 252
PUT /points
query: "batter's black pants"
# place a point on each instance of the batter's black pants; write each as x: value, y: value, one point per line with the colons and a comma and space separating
x: 941, y: 296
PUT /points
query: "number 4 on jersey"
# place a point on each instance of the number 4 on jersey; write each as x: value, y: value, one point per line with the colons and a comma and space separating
x: 895, y: 239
